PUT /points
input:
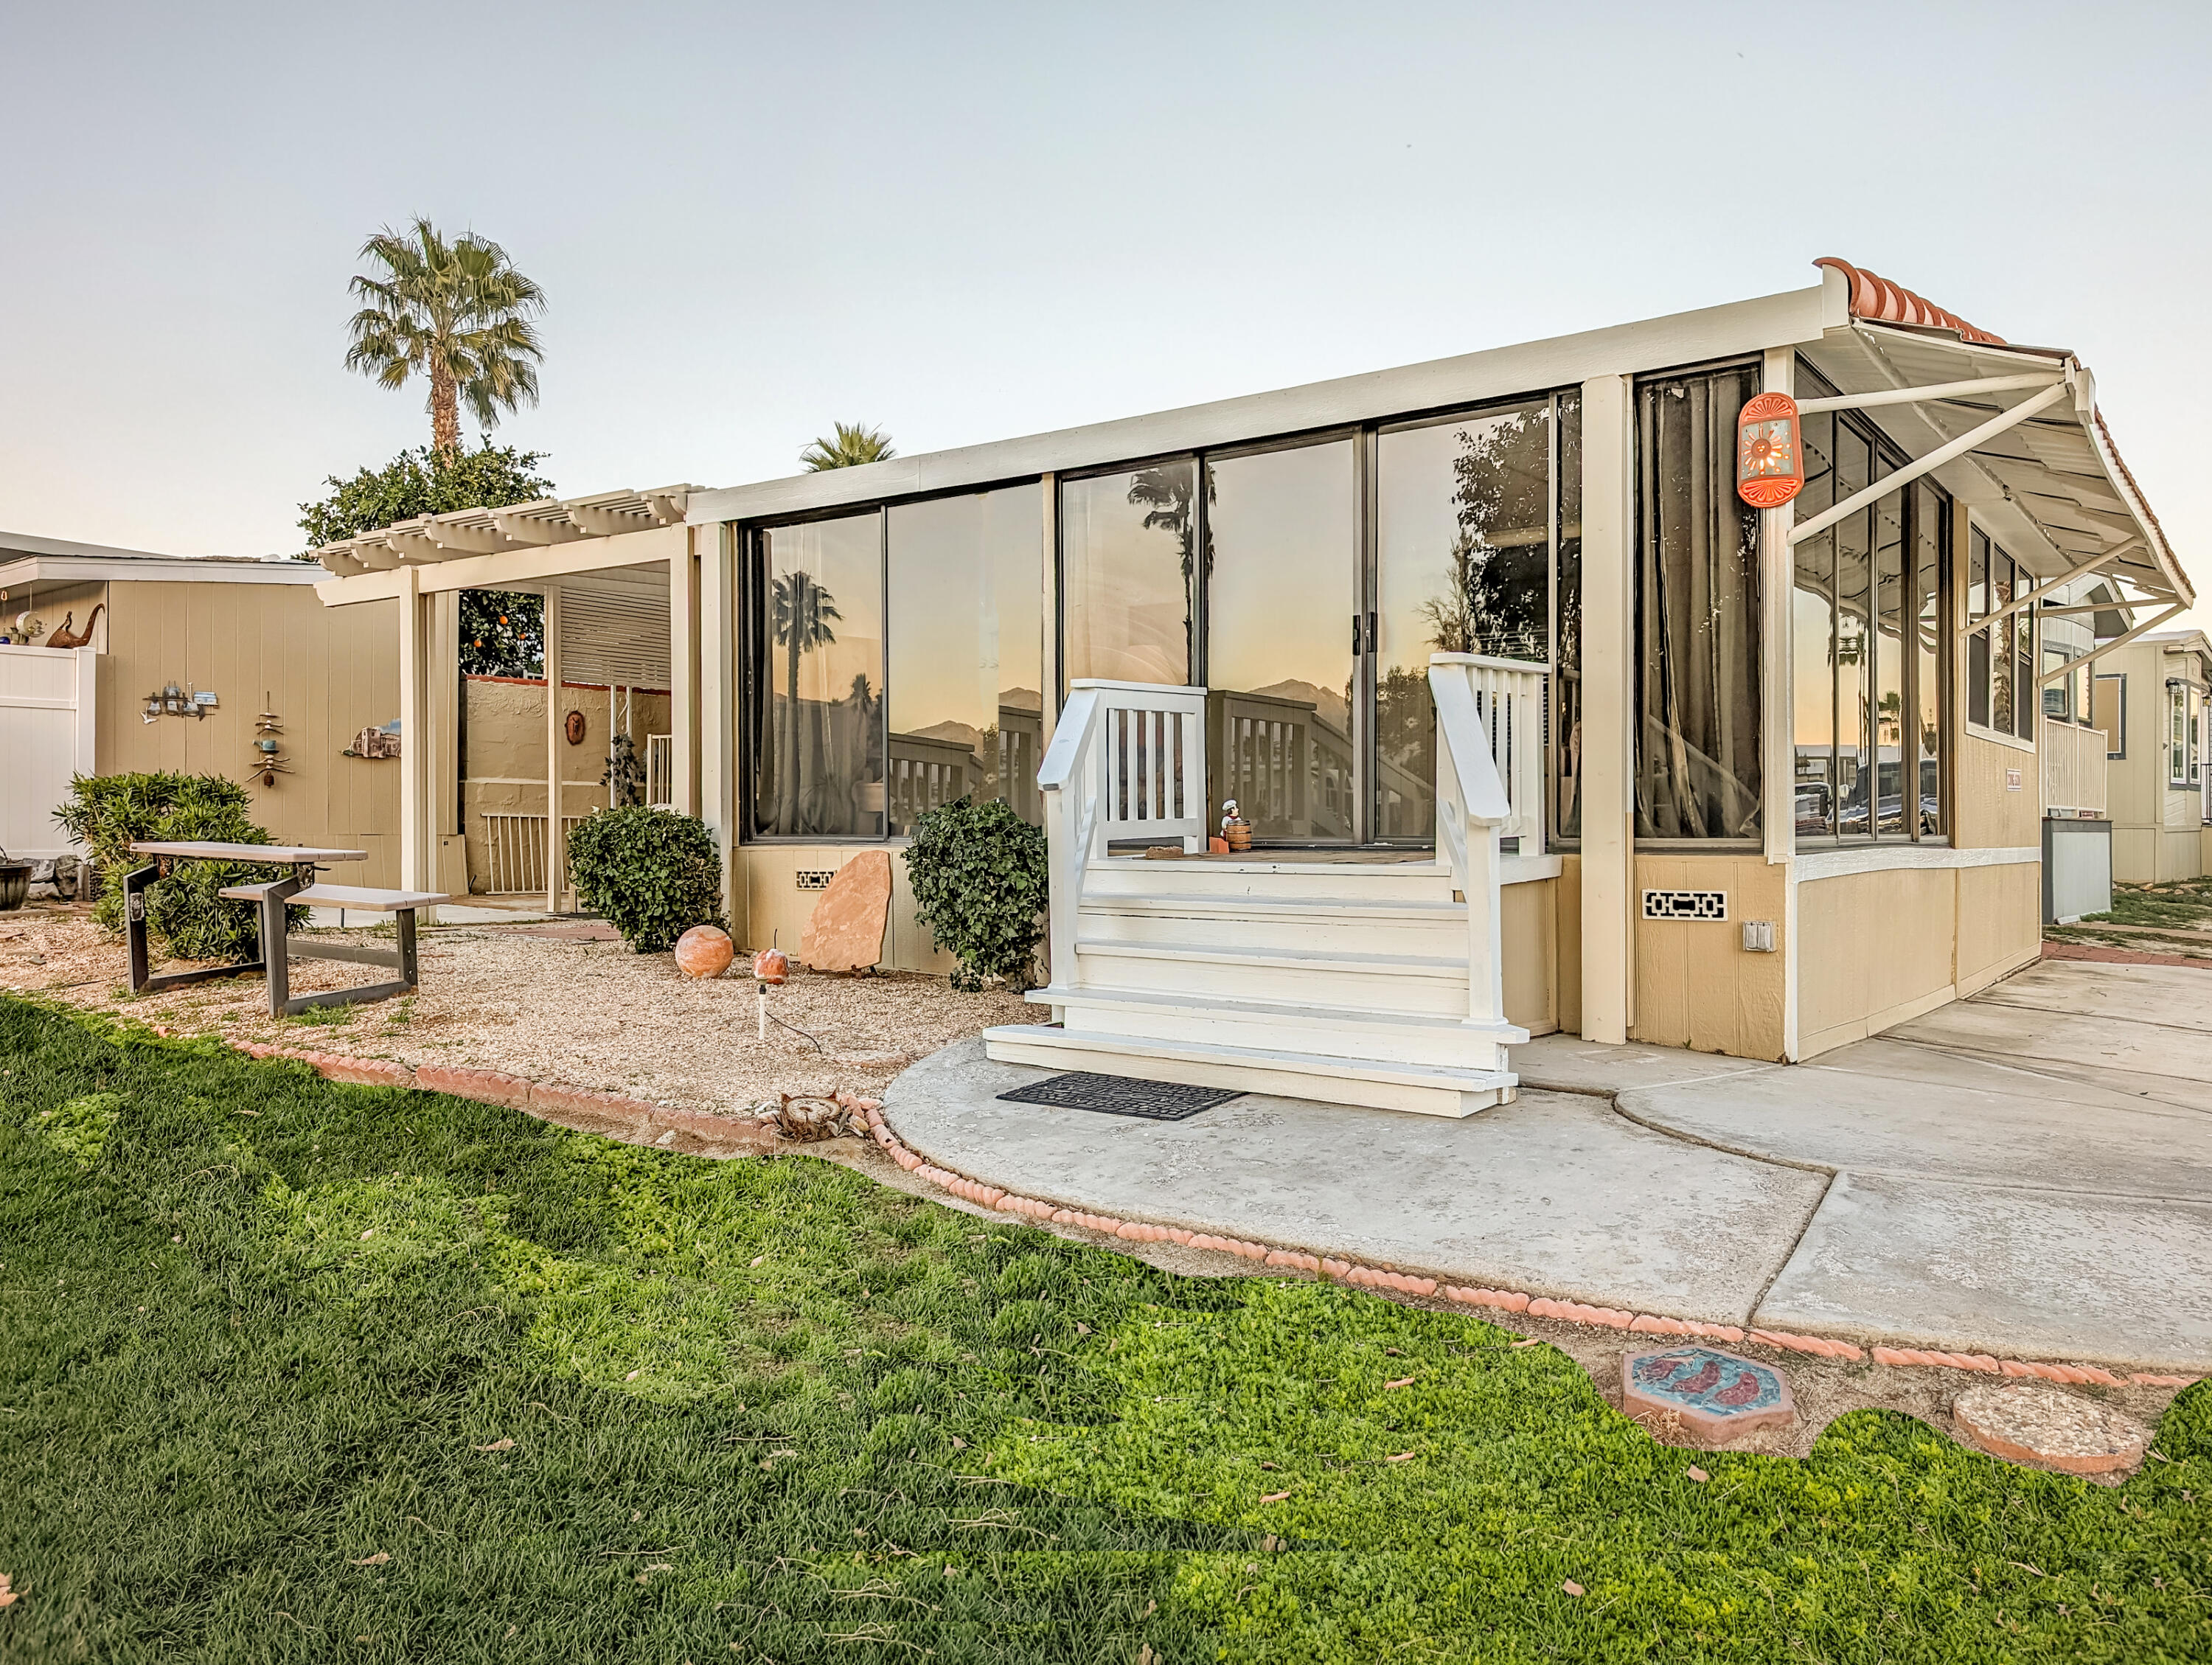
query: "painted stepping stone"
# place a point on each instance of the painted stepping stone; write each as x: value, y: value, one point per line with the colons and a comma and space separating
x: 1716, y: 1394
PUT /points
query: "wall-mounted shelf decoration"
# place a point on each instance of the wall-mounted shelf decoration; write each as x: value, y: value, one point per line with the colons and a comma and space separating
x: 375, y: 743
x: 268, y: 747
x: 170, y: 701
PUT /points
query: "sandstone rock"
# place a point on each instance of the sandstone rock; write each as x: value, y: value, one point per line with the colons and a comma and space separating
x: 846, y: 933
x: 1716, y: 1395
x: 704, y: 951
x: 2032, y: 1422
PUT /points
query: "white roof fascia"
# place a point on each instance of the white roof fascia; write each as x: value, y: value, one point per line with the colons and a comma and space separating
x: 1736, y: 329
x: 155, y: 569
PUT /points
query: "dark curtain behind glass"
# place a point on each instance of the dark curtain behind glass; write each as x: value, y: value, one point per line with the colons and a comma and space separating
x: 1697, y: 614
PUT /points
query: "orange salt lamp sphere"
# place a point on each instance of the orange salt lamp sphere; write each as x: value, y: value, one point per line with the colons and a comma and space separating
x: 771, y: 965
x: 704, y: 952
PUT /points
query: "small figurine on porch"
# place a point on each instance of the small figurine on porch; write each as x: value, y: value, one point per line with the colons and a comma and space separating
x: 1235, y: 830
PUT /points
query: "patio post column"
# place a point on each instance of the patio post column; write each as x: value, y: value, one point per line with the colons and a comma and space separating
x: 720, y: 621
x: 1778, y: 573
x: 684, y: 677
x: 556, y: 848
x: 1608, y: 841
x: 417, y: 749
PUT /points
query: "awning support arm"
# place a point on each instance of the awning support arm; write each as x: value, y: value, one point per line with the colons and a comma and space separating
x: 2003, y: 421
x: 2104, y: 647
x: 2045, y: 589
x: 1942, y: 390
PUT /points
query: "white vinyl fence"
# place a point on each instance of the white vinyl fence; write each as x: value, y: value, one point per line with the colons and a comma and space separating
x: 46, y: 735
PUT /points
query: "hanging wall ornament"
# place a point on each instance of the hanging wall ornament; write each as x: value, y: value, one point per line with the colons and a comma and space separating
x: 1770, y: 460
x: 575, y: 727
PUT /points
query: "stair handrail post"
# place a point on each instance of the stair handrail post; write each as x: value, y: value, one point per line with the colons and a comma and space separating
x: 1068, y: 784
x: 1473, y: 810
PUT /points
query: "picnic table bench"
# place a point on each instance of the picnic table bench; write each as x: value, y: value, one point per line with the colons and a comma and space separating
x: 299, y: 888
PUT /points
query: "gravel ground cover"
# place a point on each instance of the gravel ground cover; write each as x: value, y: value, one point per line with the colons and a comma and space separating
x: 296, y: 1370
x: 514, y: 998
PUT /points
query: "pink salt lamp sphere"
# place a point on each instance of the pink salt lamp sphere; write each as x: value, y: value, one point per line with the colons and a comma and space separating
x: 771, y: 965
x: 704, y: 952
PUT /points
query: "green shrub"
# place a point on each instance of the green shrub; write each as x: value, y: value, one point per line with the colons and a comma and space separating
x: 651, y: 873
x: 979, y: 877
x: 184, y: 916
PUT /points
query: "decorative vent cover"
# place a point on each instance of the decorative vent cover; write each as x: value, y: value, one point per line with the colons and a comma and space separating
x: 1685, y: 904
x: 814, y: 881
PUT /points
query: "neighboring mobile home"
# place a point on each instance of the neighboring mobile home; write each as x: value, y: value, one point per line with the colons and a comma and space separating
x: 2151, y: 698
x: 1536, y: 724
x: 235, y: 637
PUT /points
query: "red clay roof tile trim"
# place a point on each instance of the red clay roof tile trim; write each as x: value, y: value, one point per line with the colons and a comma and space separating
x: 1875, y: 296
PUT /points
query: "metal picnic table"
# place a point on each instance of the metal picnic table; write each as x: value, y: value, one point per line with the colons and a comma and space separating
x: 273, y: 896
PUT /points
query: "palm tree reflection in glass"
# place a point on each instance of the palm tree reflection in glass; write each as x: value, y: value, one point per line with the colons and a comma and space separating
x: 803, y: 613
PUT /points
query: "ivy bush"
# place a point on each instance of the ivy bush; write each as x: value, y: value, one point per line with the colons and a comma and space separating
x: 652, y: 874
x: 979, y: 877
x: 184, y: 916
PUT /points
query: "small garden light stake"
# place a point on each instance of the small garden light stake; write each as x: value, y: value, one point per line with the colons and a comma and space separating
x: 770, y: 965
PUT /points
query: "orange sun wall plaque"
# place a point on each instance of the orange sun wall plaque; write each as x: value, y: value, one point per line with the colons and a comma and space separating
x: 1769, y: 461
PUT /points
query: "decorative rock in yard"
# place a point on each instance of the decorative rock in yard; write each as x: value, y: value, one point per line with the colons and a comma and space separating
x: 704, y: 952
x: 771, y: 965
x: 1716, y: 1394
x: 2030, y: 1422
x: 846, y: 933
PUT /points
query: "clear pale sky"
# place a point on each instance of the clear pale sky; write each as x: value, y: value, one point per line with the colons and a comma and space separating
x: 965, y: 223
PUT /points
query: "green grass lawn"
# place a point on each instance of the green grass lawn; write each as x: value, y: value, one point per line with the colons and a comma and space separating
x: 291, y: 1370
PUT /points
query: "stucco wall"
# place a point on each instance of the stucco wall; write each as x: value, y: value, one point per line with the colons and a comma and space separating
x: 327, y: 672
x: 1695, y: 986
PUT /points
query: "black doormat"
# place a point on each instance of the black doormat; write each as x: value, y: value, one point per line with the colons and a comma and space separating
x: 1117, y: 1094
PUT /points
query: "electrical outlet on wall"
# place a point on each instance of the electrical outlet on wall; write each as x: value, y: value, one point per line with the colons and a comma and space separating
x: 1759, y: 936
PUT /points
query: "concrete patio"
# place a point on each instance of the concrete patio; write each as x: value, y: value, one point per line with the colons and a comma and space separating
x: 2028, y: 1173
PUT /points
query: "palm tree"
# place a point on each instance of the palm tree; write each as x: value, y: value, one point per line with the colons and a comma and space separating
x: 457, y: 311
x: 850, y: 444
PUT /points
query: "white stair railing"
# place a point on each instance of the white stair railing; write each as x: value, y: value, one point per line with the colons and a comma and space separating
x: 1127, y: 761
x: 1508, y: 702
x: 1488, y: 710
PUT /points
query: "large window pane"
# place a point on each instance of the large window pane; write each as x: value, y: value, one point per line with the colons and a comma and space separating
x: 1931, y: 538
x: 818, y: 742
x: 1567, y: 641
x: 1463, y: 517
x: 2000, y: 644
x: 1697, y: 614
x: 966, y: 588
x: 1892, y: 749
x: 1854, y: 639
x: 1126, y: 577
x: 2023, y: 656
x: 1813, y: 630
x: 1283, y: 542
x: 1977, y: 644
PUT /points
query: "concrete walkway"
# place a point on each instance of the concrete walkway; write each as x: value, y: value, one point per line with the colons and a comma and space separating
x: 2027, y: 1174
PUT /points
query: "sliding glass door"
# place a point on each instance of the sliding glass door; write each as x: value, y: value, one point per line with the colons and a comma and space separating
x: 1305, y: 584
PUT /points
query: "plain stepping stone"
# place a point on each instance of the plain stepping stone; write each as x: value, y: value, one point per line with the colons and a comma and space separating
x: 1716, y: 1395
x: 2033, y: 1422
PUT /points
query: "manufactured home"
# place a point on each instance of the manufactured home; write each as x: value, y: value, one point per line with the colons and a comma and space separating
x: 1534, y: 722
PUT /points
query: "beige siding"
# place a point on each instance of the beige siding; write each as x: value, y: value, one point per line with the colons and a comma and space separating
x: 1695, y: 986
x: 2000, y: 922
x: 1991, y: 813
x: 1530, y: 929
x: 1878, y: 948
x: 1567, y: 897
x: 776, y: 910
x: 328, y: 673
